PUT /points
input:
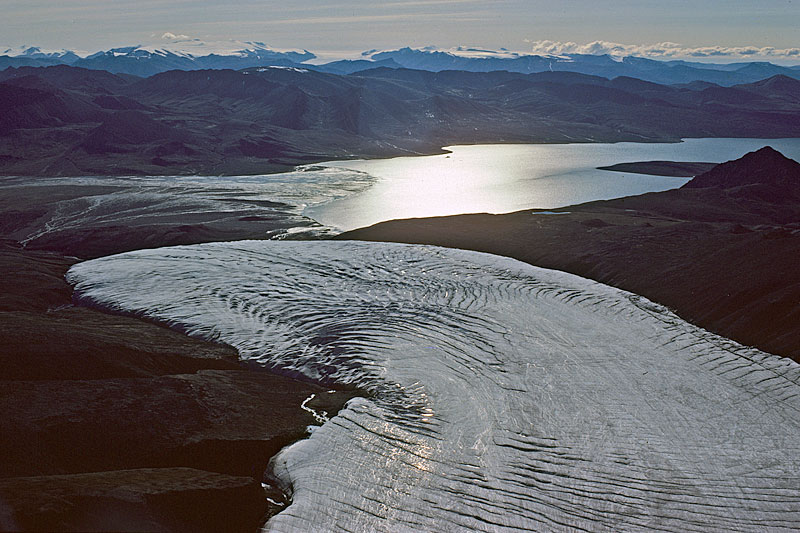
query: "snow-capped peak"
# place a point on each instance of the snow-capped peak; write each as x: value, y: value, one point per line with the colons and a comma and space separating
x: 466, y: 52
x: 185, y: 46
x: 279, y: 67
x: 170, y: 45
x: 37, y: 52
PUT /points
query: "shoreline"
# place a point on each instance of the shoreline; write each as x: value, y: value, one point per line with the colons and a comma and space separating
x: 268, y: 168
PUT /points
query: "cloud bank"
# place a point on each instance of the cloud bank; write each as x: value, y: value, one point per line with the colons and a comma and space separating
x: 665, y: 50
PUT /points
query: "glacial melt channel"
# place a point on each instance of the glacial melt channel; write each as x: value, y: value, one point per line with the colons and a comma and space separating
x: 504, y: 396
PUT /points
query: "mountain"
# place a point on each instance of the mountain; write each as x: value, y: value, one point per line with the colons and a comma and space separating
x: 349, y: 66
x: 721, y: 251
x: 764, y: 168
x: 662, y: 72
x: 72, y: 78
x: 776, y: 87
x: 32, y: 56
x: 193, y: 54
x: 30, y: 103
x: 141, y: 60
x: 35, y: 53
x: 66, y: 120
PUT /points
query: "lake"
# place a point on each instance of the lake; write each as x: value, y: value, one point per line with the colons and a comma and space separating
x: 343, y: 195
x: 506, y: 178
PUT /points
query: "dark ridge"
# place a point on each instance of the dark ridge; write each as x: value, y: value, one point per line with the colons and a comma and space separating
x: 627, y: 83
x: 220, y: 83
x: 685, y: 169
x: 36, y: 107
x: 778, y: 84
x: 93, y: 81
x: 766, y: 166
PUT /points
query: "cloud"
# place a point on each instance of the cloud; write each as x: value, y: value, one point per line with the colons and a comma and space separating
x: 665, y: 50
x: 169, y: 36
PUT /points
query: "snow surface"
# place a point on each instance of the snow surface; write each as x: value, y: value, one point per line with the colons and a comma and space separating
x: 278, y: 67
x: 465, y: 52
x: 190, y: 47
x: 502, y: 397
x: 34, y: 51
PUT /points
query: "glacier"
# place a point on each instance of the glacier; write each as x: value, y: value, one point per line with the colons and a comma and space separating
x: 498, y: 396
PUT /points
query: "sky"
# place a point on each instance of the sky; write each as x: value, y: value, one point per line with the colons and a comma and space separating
x: 717, y: 29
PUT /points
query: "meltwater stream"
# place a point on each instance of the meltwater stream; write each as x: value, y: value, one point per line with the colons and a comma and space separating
x: 503, y: 396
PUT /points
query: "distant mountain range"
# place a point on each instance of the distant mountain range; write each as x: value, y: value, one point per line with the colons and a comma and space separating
x: 149, y: 60
x: 66, y: 120
x: 663, y: 72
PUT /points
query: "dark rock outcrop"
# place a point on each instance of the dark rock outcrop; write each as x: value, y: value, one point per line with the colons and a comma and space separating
x: 765, y: 167
x: 147, y: 499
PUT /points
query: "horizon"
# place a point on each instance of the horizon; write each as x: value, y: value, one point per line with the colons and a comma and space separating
x: 343, y: 29
x: 198, y: 48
